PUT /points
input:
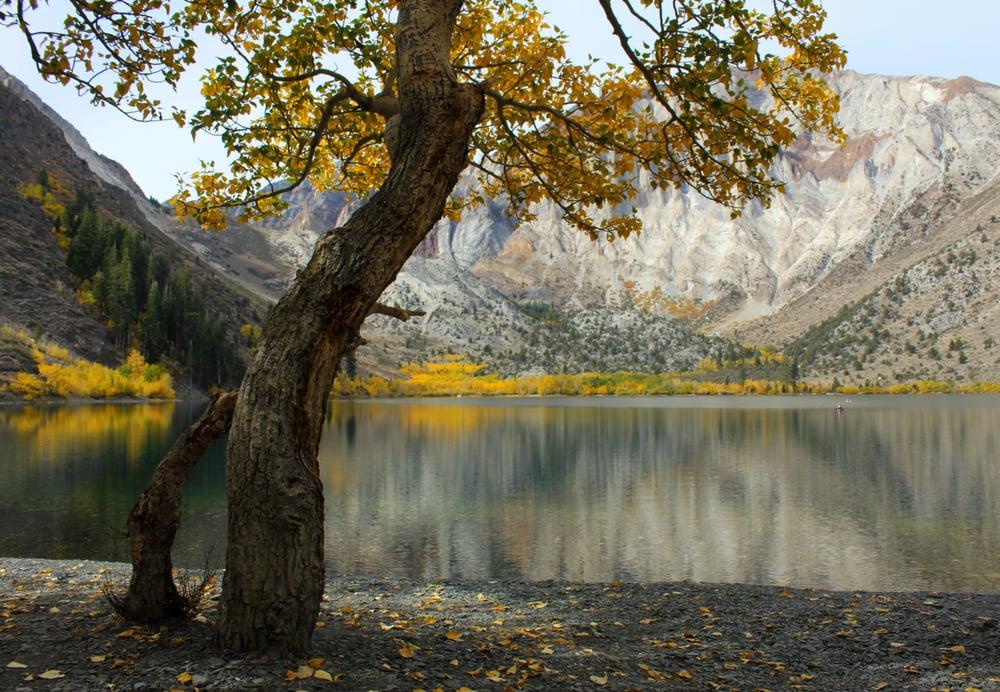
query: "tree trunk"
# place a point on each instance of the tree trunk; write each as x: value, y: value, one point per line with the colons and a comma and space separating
x: 274, y: 564
x: 153, y: 521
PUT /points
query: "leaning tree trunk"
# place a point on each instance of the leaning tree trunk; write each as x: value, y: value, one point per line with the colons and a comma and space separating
x: 274, y: 564
x: 153, y: 521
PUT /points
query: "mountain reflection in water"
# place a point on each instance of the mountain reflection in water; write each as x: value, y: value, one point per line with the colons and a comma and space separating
x: 897, y: 493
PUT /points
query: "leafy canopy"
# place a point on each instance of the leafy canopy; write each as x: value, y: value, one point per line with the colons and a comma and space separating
x: 708, y: 93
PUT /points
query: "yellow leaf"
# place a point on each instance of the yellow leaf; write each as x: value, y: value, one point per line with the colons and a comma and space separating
x: 407, y: 650
x: 547, y: 650
x: 454, y: 636
x: 493, y: 676
x: 15, y: 664
x: 184, y: 678
x: 881, y: 686
x: 290, y: 675
x: 323, y: 675
x: 51, y: 675
x: 957, y: 649
x: 99, y: 658
x: 304, y: 672
x: 316, y: 662
x: 684, y: 675
x: 599, y: 680
x: 537, y: 604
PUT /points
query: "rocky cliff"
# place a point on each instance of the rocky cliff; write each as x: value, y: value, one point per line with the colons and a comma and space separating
x: 921, y: 157
x: 917, y: 180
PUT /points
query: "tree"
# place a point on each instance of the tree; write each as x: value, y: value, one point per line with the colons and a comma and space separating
x: 435, y: 87
x: 154, y: 334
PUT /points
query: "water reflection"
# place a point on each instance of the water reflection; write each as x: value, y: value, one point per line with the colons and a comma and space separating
x: 72, y: 472
x: 880, y: 498
x: 898, y: 493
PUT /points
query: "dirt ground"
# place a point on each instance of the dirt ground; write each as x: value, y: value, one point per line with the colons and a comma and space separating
x: 57, y: 633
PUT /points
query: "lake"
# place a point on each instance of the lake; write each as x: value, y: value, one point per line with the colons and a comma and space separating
x: 895, y: 493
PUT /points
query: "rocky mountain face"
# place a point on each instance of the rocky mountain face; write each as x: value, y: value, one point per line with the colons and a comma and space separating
x: 37, y: 292
x: 908, y: 184
x: 916, y: 182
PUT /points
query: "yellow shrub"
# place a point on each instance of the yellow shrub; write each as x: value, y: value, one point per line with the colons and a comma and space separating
x: 80, y: 378
x: 28, y: 386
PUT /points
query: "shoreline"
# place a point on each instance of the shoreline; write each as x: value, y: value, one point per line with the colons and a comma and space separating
x: 502, y: 397
x: 402, y: 634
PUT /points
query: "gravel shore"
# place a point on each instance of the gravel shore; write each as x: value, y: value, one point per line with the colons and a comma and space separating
x: 57, y: 633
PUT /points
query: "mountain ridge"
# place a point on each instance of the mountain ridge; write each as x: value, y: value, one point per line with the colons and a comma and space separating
x: 920, y: 152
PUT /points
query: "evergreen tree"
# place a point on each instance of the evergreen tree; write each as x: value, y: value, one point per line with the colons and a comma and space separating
x: 87, y: 248
x: 154, y: 335
x: 351, y: 364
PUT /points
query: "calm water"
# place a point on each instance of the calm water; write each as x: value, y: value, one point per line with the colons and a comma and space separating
x: 897, y: 493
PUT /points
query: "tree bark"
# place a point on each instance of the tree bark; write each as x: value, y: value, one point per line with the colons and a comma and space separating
x: 274, y: 564
x: 152, y: 524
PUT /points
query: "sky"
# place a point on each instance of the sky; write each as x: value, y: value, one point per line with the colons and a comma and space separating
x: 890, y: 37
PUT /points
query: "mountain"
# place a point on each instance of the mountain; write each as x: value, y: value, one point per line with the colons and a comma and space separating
x: 820, y: 273
x: 916, y: 179
x: 37, y: 291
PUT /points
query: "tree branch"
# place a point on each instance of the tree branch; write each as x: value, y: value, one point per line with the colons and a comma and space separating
x: 396, y: 312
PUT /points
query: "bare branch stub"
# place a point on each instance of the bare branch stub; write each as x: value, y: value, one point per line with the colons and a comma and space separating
x: 396, y: 312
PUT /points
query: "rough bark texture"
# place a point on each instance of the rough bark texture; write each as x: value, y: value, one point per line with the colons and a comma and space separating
x: 274, y: 563
x: 153, y: 521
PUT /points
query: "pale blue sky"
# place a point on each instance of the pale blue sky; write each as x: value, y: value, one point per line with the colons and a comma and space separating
x: 893, y: 37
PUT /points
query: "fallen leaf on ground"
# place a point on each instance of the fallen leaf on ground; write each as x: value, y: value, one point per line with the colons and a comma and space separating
x: 316, y: 662
x: 537, y: 604
x: 304, y: 672
x: 599, y: 680
x: 493, y: 676
x: 454, y: 636
x: 957, y: 649
x: 100, y: 658
x: 323, y: 675
x: 881, y: 686
x: 184, y: 678
x: 15, y: 664
x: 51, y: 675
x: 683, y: 675
x: 407, y: 650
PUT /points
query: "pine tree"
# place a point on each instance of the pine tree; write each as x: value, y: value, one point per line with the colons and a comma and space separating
x: 87, y: 248
x: 154, y: 334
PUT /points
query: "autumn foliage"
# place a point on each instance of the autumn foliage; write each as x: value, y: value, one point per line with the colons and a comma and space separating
x: 60, y: 375
x: 453, y: 375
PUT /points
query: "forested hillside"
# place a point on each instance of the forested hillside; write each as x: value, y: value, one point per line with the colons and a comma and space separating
x: 81, y: 267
